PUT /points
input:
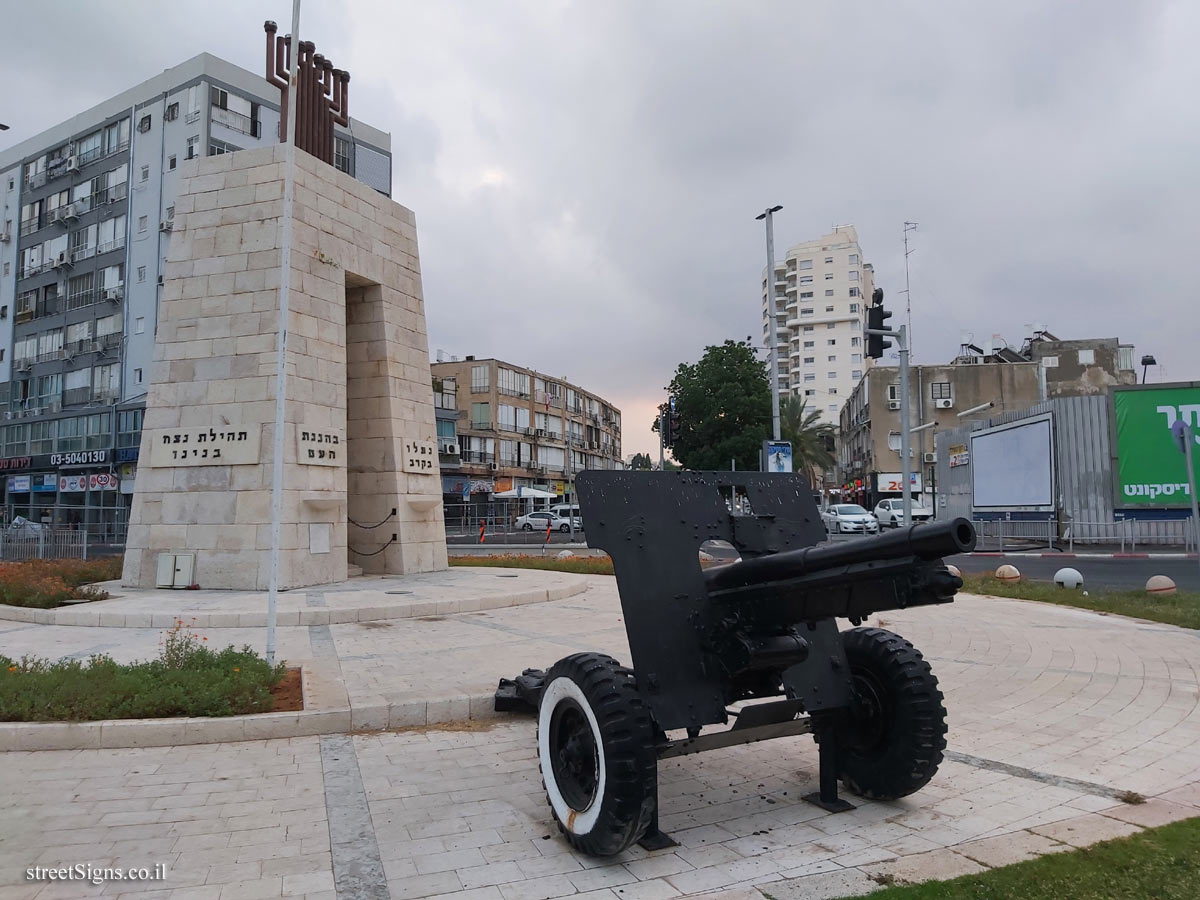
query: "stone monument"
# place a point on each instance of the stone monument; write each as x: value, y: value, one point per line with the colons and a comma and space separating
x: 361, y: 482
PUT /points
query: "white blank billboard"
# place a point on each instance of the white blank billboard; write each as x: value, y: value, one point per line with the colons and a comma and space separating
x: 1012, y: 467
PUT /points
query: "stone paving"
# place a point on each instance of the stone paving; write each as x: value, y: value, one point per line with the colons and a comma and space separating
x: 1054, y: 714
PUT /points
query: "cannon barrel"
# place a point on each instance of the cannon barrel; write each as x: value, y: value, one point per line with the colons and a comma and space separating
x: 929, y: 541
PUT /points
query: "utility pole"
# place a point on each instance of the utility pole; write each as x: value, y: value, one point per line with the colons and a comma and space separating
x: 569, y: 490
x: 905, y: 438
x: 908, y: 226
x: 772, y: 318
x: 662, y: 424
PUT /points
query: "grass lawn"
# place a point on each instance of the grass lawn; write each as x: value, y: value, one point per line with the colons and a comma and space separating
x: 187, y: 679
x: 1158, y: 864
x: 1181, y: 609
x: 580, y: 565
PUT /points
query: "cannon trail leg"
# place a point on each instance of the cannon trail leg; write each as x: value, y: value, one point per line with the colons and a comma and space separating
x: 654, y: 839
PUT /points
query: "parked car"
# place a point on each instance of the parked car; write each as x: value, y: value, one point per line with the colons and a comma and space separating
x: 849, y: 518
x: 890, y: 513
x: 537, y: 521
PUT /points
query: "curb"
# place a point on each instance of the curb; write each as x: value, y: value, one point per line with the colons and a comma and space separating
x: 286, y: 618
x: 1017, y: 554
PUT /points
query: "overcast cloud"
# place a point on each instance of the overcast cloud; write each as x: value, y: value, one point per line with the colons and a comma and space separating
x: 585, y: 175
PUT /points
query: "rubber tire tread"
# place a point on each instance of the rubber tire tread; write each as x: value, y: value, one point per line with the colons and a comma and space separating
x: 627, y: 742
x: 912, y: 750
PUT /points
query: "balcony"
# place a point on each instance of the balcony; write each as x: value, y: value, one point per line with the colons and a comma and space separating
x: 77, y: 396
x: 23, y: 315
x: 49, y: 355
x: 235, y: 121
x: 477, y: 457
x: 80, y: 299
x: 481, y: 426
x: 75, y: 348
x: 89, y: 156
x: 36, y: 180
x: 29, y: 226
x: 108, y: 246
x: 81, y: 253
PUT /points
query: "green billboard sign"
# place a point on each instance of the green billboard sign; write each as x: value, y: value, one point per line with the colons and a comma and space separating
x: 1150, y: 469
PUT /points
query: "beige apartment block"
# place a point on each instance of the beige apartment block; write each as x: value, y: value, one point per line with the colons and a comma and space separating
x: 359, y: 440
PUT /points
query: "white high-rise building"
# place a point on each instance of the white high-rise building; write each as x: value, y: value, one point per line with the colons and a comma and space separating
x: 822, y: 288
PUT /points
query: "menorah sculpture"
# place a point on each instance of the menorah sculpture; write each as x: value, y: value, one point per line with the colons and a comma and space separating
x: 323, y: 93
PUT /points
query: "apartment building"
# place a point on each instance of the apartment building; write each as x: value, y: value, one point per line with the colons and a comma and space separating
x: 516, y: 427
x: 822, y: 288
x: 88, y: 210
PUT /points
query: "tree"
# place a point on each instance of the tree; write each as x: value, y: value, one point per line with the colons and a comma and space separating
x: 723, y: 404
x: 812, y: 440
x: 641, y: 461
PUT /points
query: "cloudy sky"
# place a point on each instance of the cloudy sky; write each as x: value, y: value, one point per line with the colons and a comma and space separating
x: 586, y: 174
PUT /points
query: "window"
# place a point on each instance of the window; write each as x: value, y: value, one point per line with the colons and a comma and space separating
x: 172, y: 112
x: 216, y: 148
x: 853, y: 259
x: 831, y: 358
x: 171, y: 159
x: 853, y: 275
x: 829, y: 326
x: 804, y: 264
x: 806, y: 279
x: 853, y: 292
x: 481, y: 416
x: 833, y: 407
x: 806, y: 312
x: 829, y: 276
x: 894, y: 392
x: 6, y: 270
x: 940, y: 390
x: 116, y: 137
x: 832, y: 342
x: 828, y: 259
x: 829, y: 293
x: 810, y: 378
x: 137, y: 376
x: 806, y: 295
x: 139, y: 325
x: 129, y: 428
x: 808, y: 329
x: 1087, y: 357
x: 853, y: 307
x: 192, y: 142
x: 145, y: 173
x: 141, y: 273
x: 810, y: 392
x: 855, y: 341
x: 479, y: 379
x: 193, y: 101
x: 506, y: 417
x: 833, y: 390
x: 829, y: 309
x: 809, y: 360
x: 831, y: 375
x: 108, y: 325
x: 856, y: 374
x: 894, y: 441
x: 855, y: 357
x: 142, y: 223
x: 808, y: 345
x: 341, y: 154
x: 144, y: 124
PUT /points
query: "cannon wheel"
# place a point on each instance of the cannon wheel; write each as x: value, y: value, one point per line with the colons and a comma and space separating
x: 596, y: 753
x: 892, y: 743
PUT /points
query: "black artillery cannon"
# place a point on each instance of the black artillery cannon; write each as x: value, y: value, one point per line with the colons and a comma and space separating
x: 759, y: 634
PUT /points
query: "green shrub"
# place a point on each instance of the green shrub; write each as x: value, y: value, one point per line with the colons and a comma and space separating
x: 47, y: 583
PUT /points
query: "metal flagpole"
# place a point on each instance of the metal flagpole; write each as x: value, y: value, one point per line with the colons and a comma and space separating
x: 285, y: 263
x: 905, y: 439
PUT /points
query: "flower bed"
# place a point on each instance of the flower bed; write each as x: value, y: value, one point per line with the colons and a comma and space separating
x: 187, y: 679
x: 47, y: 583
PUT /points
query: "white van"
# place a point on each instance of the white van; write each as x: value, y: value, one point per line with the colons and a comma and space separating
x: 565, y: 510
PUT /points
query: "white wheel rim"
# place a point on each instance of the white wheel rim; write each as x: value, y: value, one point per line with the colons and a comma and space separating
x: 576, y: 821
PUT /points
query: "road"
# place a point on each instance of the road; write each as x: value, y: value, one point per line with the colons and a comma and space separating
x: 1120, y: 574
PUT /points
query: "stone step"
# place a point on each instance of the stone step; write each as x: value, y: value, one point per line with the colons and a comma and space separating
x: 353, y: 571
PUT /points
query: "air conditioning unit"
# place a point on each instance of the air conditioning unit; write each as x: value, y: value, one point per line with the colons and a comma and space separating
x: 930, y: 457
x: 72, y: 163
x: 166, y: 225
x: 541, y: 432
x: 449, y: 449
x: 493, y: 466
x: 24, y: 365
x: 63, y: 260
x: 893, y: 404
x: 5, y: 237
x: 113, y: 295
x: 944, y: 404
x: 7, y: 415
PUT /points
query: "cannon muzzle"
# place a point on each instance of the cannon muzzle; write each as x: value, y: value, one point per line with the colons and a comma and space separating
x: 928, y: 542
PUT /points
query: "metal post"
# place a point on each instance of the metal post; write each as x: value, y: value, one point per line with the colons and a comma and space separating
x: 661, y: 425
x: 285, y: 278
x: 772, y: 320
x: 570, y: 474
x: 1188, y: 438
x: 905, y: 439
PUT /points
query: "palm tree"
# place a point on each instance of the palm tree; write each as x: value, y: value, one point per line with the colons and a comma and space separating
x: 811, y: 440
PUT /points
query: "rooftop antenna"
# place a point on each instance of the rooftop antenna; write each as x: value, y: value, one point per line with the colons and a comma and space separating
x: 908, y: 226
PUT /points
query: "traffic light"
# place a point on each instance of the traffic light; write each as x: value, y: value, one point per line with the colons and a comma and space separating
x: 876, y: 317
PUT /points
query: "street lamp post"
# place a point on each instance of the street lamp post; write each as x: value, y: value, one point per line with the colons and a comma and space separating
x: 1147, y: 362
x: 772, y: 317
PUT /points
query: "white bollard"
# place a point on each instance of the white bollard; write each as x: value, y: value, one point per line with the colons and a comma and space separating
x: 1068, y: 578
x: 1008, y: 573
x: 1160, y: 584
x: 564, y: 554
